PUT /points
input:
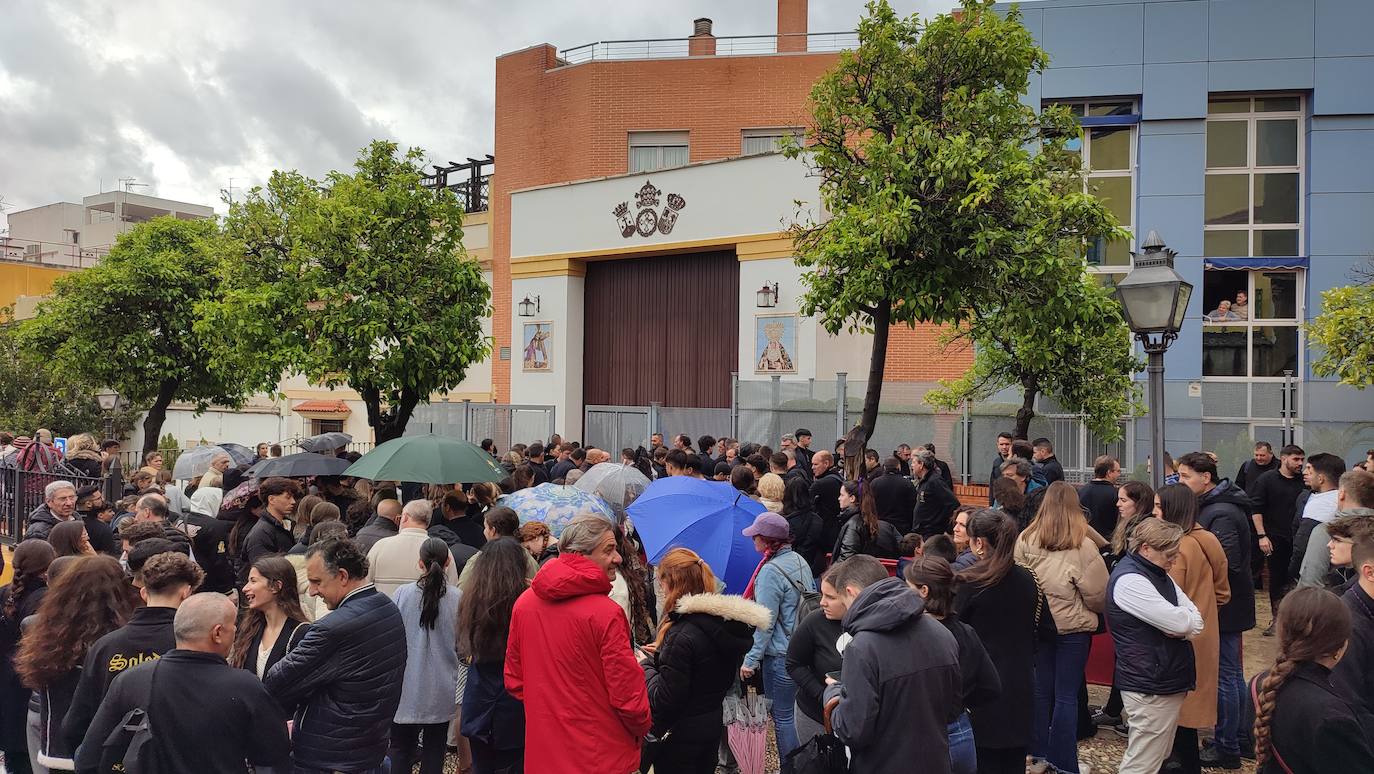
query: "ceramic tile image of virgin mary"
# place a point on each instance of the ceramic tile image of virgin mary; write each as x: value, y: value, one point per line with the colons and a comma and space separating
x: 775, y: 342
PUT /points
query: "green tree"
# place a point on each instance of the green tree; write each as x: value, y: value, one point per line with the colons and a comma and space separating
x: 1344, y: 332
x: 1082, y: 357
x: 360, y: 279
x: 130, y: 323
x: 931, y: 171
x: 32, y: 396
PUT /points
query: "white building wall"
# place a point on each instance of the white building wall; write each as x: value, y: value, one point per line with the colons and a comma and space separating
x: 561, y: 303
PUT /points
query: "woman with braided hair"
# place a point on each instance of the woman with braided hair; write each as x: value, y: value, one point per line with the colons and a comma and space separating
x: 1302, y: 724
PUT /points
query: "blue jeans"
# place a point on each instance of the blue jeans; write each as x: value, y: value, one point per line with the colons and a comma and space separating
x: 1231, y: 695
x: 1058, y: 676
x: 779, y: 688
x: 963, y: 757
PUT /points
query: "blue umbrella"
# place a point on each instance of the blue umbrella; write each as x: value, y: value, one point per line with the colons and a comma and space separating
x: 705, y: 516
x: 555, y: 505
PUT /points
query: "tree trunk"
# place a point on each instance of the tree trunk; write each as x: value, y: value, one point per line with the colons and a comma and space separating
x: 157, y: 414
x: 1029, y: 389
x: 877, y: 362
x: 390, y: 424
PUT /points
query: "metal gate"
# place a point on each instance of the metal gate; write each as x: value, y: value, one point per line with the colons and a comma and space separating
x: 504, y: 423
x: 617, y: 427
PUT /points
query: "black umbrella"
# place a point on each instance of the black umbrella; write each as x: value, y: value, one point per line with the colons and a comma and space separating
x: 299, y: 466
x: 325, y: 442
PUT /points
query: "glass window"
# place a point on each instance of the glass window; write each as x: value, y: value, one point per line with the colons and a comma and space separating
x: 650, y: 151
x: 766, y: 140
x: 1272, y: 243
x: 1227, y: 199
x: 1226, y: 244
x: 1108, y: 155
x: 1276, y: 143
x: 1254, y: 177
x: 1224, y: 352
x: 1275, y: 296
x: 1226, y: 144
x: 1274, y: 349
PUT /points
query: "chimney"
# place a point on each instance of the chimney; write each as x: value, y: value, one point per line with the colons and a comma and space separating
x: 791, y: 25
x: 702, y: 42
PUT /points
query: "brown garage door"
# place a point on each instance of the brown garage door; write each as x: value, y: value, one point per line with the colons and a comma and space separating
x: 662, y: 329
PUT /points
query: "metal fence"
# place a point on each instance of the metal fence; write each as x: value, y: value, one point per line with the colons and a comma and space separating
x: 504, y: 423
x: 725, y: 45
x: 764, y: 410
x: 21, y: 492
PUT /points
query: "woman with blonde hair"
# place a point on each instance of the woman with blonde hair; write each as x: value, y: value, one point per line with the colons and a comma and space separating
x: 1303, y: 725
x: 771, y: 489
x: 1200, y: 570
x: 693, y: 662
x: 1058, y: 549
x: 83, y: 453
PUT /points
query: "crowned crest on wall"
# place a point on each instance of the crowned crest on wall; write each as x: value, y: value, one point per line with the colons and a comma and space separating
x: 647, y: 218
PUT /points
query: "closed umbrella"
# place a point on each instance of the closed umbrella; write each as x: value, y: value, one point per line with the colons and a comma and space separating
x: 325, y: 442
x: 195, y: 461
x: 746, y: 729
x: 705, y: 516
x: 616, y: 483
x: 555, y: 505
x: 299, y: 466
x: 427, y: 459
x: 239, y: 455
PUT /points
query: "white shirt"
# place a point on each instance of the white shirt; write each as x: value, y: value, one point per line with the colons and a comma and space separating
x: 1135, y: 594
x: 1321, y: 506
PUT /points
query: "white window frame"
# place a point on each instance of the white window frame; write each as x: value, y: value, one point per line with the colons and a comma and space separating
x: 1252, y: 119
x: 777, y: 133
x: 1296, y: 322
x: 1131, y: 170
x: 658, y: 139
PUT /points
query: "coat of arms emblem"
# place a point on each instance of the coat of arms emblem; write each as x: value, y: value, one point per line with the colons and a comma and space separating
x: 647, y: 219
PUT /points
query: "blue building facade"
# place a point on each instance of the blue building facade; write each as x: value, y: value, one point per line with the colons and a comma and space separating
x: 1243, y: 132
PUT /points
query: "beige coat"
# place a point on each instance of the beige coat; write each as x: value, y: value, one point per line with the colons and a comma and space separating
x: 314, y: 607
x: 1074, y: 582
x: 1200, y: 571
x: 395, y: 561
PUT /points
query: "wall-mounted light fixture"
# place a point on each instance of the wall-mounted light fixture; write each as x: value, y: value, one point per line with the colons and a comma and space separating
x: 767, y: 296
x: 529, y: 308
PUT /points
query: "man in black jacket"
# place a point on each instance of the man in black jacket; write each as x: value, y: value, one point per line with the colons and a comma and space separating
x: 456, y: 519
x: 935, y: 501
x: 90, y: 503
x: 894, y: 496
x: 825, y: 492
x: 899, y: 683
x: 272, y: 533
x: 384, y: 524
x: 345, y: 675
x: 1004, y: 440
x: 207, y: 716
x: 1098, y: 496
x: 1354, y: 675
x: 941, y: 465
x: 1263, y: 462
x: 167, y: 580
x: 1042, y: 455
x: 534, y: 460
x: 1224, y: 510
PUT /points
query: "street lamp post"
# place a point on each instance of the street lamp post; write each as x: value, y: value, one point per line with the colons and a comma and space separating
x: 1154, y: 302
x: 109, y: 402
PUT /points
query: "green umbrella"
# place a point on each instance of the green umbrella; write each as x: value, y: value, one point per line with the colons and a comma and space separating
x: 427, y: 459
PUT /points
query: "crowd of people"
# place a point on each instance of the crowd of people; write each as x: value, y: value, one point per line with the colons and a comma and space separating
x: 337, y: 625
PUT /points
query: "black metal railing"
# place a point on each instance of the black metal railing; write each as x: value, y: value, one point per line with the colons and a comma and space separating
x: 21, y: 492
x: 469, y: 181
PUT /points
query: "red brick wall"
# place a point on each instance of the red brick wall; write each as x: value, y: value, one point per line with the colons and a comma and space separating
x: 914, y: 354
x: 558, y: 124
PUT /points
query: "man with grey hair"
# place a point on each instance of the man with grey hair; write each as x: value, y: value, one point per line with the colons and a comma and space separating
x: 59, y: 505
x: 246, y: 728
x: 395, y: 561
x: 566, y: 617
x: 935, y: 501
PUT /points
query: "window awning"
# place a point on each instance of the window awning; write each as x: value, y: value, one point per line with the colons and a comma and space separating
x: 1254, y: 264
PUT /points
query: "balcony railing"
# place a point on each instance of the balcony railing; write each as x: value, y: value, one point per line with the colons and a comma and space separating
x: 470, y: 181
x: 739, y: 45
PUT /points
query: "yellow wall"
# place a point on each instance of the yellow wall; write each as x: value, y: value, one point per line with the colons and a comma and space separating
x: 18, y: 279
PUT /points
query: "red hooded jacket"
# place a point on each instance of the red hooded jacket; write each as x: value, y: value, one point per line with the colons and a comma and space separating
x: 569, y: 660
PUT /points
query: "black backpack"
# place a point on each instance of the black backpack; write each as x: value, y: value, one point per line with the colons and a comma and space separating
x: 131, y: 748
x: 809, y: 603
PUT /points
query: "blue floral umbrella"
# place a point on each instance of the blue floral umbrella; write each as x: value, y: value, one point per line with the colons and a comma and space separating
x: 555, y: 505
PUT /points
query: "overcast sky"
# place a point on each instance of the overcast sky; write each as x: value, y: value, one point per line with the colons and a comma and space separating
x: 185, y: 94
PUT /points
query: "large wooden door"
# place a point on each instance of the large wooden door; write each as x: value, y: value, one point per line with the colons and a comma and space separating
x: 662, y: 329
